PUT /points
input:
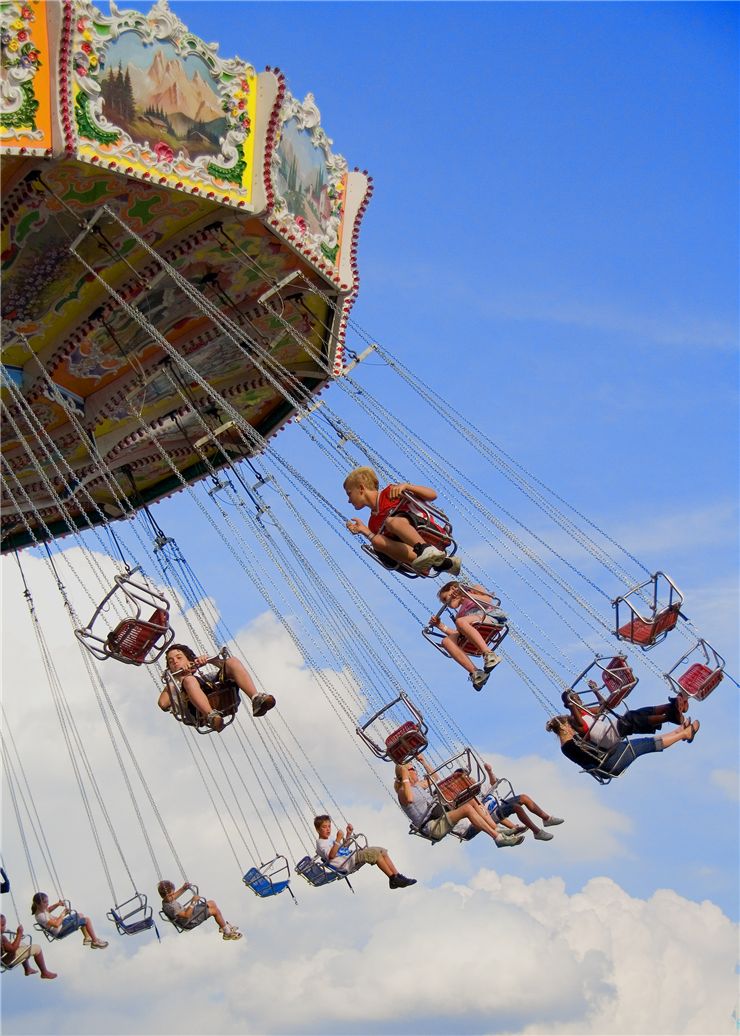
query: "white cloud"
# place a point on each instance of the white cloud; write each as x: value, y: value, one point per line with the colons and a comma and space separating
x: 728, y: 781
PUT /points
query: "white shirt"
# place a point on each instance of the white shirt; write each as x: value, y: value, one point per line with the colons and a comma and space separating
x: 343, y: 861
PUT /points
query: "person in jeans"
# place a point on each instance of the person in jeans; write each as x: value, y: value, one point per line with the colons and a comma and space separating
x: 615, y: 760
x: 60, y: 926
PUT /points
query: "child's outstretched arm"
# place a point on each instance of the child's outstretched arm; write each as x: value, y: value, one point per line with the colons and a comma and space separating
x: 358, y: 528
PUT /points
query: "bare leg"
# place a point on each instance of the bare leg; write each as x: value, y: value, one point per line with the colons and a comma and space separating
x: 479, y: 818
x: 682, y: 734
x: 468, y: 630
x: 454, y: 650
x: 234, y: 670
x: 402, y: 529
x: 400, y: 552
x: 28, y: 970
x: 87, y: 929
x: 386, y: 865
x: 45, y: 973
x: 216, y: 914
x: 196, y: 694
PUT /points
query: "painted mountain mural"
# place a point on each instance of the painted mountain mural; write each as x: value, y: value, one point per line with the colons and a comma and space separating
x: 156, y: 96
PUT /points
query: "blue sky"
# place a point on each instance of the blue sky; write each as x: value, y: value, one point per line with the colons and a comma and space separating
x: 552, y: 243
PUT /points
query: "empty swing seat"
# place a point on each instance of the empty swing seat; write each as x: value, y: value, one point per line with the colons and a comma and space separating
x: 699, y: 680
x: 133, y: 639
x: 406, y: 742
x: 646, y: 633
x: 618, y: 679
x: 133, y: 916
x: 262, y: 886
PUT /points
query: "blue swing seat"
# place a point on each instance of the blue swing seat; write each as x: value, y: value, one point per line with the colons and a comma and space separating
x: 138, y: 918
x: 318, y: 873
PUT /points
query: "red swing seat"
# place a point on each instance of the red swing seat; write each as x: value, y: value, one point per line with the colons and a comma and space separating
x: 699, y: 680
x: 646, y: 633
x: 406, y: 742
x: 492, y: 633
x: 133, y: 639
x: 618, y: 679
x: 458, y: 788
x: 654, y: 608
x: 700, y: 677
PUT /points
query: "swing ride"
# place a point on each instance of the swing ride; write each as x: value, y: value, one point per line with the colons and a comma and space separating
x: 177, y: 288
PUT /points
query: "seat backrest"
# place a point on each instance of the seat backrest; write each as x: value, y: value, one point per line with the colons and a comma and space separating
x: 699, y: 680
x: 134, y: 638
x: 405, y: 742
x: 458, y: 787
x: 618, y: 678
x: 257, y: 882
x: 314, y: 871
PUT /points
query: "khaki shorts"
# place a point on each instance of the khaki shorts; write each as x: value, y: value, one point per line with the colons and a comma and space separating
x: 370, y: 855
x: 437, y: 829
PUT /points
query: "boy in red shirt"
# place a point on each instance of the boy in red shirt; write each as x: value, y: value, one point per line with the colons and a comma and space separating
x: 400, y: 539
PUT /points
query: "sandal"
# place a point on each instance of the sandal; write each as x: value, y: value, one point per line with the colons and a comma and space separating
x: 694, y: 730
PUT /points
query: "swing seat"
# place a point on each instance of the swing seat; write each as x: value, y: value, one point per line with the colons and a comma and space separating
x: 262, y: 886
x: 433, y: 526
x: 264, y: 880
x: 647, y: 633
x: 660, y: 599
x: 22, y: 953
x: 699, y: 680
x: 54, y: 934
x: 318, y: 873
x: 618, y: 679
x: 138, y: 918
x: 458, y: 788
x: 493, y: 633
x: 133, y: 639
x: 405, y: 743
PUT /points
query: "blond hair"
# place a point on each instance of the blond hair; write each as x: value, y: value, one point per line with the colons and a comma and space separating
x: 359, y: 477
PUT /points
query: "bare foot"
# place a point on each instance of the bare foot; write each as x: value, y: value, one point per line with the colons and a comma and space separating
x: 48, y: 974
x: 691, y: 731
x: 31, y: 971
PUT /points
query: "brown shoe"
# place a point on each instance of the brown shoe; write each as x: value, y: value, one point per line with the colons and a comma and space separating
x: 215, y: 721
x: 262, y: 703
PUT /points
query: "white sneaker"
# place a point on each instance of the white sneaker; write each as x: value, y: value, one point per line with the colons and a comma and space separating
x: 491, y: 660
x: 450, y: 566
x: 504, y: 841
x: 478, y: 678
x: 543, y: 836
x: 553, y: 822
x: 428, y: 558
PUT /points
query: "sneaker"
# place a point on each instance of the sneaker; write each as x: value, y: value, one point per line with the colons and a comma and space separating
x: 428, y: 558
x: 262, y: 703
x: 400, y: 881
x: 553, y: 822
x: 86, y: 942
x: 491, y: 660
x: 543, y: 836
x: 215, y: 720
x: 450, y: 565
x: 478, y: 678
x: 232, y: 936
x: 98, y: 944
x: 504, y: 841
